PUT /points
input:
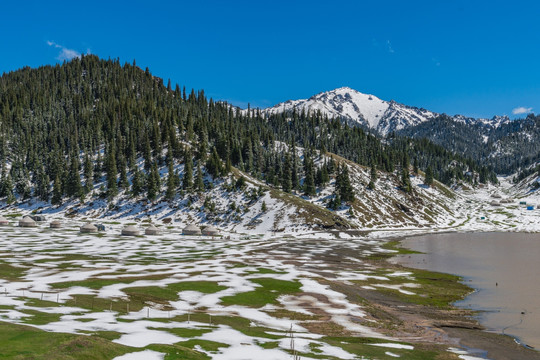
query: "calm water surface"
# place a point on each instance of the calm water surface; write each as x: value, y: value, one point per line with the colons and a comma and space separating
x: 504, y: 268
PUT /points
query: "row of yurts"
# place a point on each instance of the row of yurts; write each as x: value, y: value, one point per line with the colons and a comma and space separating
x: 129, y: 230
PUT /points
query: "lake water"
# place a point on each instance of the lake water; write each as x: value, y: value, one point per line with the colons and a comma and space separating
x: 504, y: 268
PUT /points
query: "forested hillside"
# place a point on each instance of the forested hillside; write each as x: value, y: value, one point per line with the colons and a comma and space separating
x: 93, y: 128
x: 507, y: 148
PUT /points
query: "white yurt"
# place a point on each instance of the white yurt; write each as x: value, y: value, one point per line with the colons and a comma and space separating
x: 130, y: 230
x: 27, y: 221
x: 209, y: 230
x: 191, y: 229
x: 55, y: 224
x: 151, y: 230
x: 89, y: 228
x: 3, y: 221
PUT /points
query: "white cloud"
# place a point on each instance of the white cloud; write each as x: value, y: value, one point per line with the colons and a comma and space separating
x: 521, y: 110
x: 65, y: 53
x: 389, y: 47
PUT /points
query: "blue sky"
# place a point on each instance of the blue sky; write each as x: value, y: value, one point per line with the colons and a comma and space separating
x: 477, y: 58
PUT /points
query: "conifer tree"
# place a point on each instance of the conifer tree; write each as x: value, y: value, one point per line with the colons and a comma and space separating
x: 199, y: 182
x: 309, y: 181
x: 123, y: 182
x: 57, y: 191
x: 286, y: 174
x: 73, y: 182
x: 343, y: 184
x: 152, y: 185
x: 373, y: 177
x: 112, y: 187
x: 137, y: 185
x: 42, y: 187
x: 429, y: 176
x: 7, y: 189
x: 405, y: 181
x: 170, y: 193
x: 187, y: 180
x: 295, y: 182
x: 88, y: 174
x: 214, y: 165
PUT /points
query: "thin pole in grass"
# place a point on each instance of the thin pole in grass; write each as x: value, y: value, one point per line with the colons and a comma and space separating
x: 57, y: 297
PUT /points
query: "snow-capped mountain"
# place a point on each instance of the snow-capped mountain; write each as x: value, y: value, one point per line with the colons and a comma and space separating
x: 356, y: 108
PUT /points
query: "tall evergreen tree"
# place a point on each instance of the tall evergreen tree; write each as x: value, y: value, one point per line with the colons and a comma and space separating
x: 171, y: 183
x: 88, y: 174
x: 406, y: 181
x: 112, y: 187
x: 57, y: 191
x: 199, y: 182
x: 286, y: 174
x: 187, y: 180
x: 73, y: 182
x: 343, y: 184
x: 429, y: 176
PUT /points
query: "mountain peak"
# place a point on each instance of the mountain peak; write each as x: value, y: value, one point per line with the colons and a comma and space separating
x: 356, y: 108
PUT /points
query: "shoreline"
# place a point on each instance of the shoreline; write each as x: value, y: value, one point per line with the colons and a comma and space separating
x: 494, y: 345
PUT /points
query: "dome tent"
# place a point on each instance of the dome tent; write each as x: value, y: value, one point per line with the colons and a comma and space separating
x: 130, y: 230
x: 191, y: 229
x: 151, y: 230
x: 27, y: 221
x: 55, y: 224
x: 89, y: 228
x: 209, y: 230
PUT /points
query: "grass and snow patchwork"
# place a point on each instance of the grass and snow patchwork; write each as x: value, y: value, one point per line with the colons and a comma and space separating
x: 220, y: 297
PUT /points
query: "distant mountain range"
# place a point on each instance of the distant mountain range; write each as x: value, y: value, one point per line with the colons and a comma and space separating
x: 507, y: 145
x: 356, y: 108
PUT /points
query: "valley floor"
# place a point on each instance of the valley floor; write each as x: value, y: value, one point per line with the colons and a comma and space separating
x: 234, y: 297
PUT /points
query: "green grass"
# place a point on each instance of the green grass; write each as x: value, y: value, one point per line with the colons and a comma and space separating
x: 40, y: 318
x: 170, y: 292
x: 24, y: 342
x: 97, y: 283
x: 436, y: 289
x: 109, y: 335
x: 205, y: 344
x: 266, y: 271
x: 13, y: 215
x: 140, y: 296
x: 268, y: 293
x: 10, y: 272
x: 39, y: 303
x: 269, y: 345
x: 240, y: 324
x: 394, y: 245
x: 361, y: 346
x: 185, y: 332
